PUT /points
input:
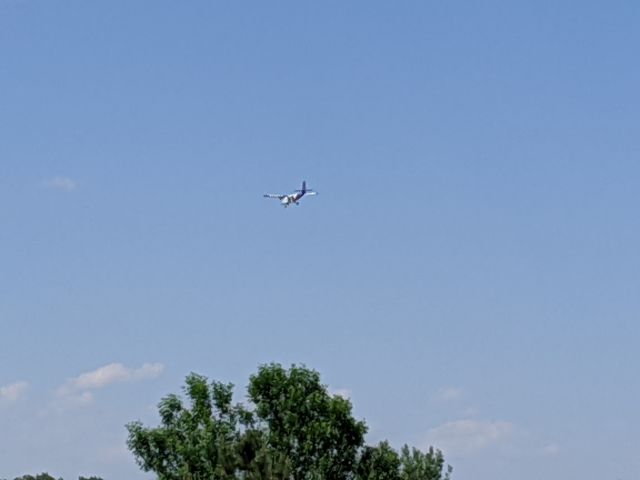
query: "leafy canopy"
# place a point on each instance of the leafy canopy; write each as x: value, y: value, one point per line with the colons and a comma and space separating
x: 46, y: 476
x: 294, y: 429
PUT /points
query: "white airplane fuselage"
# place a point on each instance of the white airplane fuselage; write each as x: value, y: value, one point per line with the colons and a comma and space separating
x: 293, y: 198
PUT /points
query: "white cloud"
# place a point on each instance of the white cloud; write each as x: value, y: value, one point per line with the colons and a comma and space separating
x: 551, y: 450
x: 78, y: 387
x: 340, y: 392
x: 13, y: 392
x: 64, y: 184
x: 470, y: 412
x: 79, y: 399
x: 446, y: 394
x: 466, y: 436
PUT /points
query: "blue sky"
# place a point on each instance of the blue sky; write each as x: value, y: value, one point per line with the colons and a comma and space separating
x: 468, y: 273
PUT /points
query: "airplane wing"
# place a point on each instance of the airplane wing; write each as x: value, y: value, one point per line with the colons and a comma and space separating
x: 273, y: 195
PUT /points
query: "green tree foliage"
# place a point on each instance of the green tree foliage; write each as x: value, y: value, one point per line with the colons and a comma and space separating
x: 417, y: 465
x: 294, y: 430
x: 40, y: 476
x: 46, y: 476
x: 315, y: 430
x: 379, y: 463
x: 198, y: 441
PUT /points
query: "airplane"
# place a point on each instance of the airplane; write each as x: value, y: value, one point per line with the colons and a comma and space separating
x: 294, y: 197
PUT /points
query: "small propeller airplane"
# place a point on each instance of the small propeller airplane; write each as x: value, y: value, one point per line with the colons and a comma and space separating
x: 294, y: 197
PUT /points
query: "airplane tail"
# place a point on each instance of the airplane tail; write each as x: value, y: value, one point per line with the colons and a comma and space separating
x: 304, y: 189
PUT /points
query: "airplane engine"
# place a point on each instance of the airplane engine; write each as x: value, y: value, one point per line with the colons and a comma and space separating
x: 285, y: 201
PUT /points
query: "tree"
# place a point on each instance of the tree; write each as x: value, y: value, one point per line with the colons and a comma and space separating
x: 46, y: 476
x: 40, y: 476
x: 417, y: 465
x: 315, y: 430
x: 293, y: 430
x: 379, y: 463
x: 196, y: 442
